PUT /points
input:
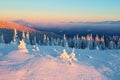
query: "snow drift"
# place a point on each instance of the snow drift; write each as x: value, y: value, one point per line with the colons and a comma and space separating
x: 45, y: 68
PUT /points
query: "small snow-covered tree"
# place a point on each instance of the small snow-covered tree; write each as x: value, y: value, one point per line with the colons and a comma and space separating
x: 23, y: 35
x: 111, y: 45
x: 102, y: 43
x: 118, y: 44
x: 77, y: 42
x: 96, y: 42
x: 22, y: 46
x: 65, y: 43
x: 89, y: 42
x: 83, y: 42
x: 27, y: 39
x: 47, y: 41
x: 70, y: 43
x: 72, y: 56
x: 74, y: 42
x: 44, y: 39
x: 34, y: 41
x: 15, y: 36
x: 52, y: 41
x: 35, y: 48
x: 60, y: 42
x: 57, y: 42
x: 2, y: 39
x: 64, y: 55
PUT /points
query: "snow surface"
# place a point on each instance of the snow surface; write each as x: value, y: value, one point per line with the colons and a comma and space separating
x: 46, y: 64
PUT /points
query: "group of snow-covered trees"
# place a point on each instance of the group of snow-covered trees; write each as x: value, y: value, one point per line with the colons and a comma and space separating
x: 83, y: 42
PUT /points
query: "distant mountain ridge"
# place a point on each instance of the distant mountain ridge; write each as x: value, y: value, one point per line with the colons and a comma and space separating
x: 12, y: 25
x: 108, y: 28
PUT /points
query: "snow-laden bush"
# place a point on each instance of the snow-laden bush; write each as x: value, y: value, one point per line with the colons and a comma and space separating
x: 35, y: 48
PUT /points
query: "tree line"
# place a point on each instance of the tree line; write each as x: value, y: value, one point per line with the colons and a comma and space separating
x: 78, y: 42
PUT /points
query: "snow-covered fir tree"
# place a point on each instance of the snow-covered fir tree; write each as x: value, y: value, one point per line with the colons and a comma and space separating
x: 44, y: 39
x: 15, y: 37
x: 70, y: 42
x: 102, y: 43
x: 47, y: 41
x: 89, y: 42
x: 60, y: 42
x: 65, y: 43
x: 22, y: 46
x: 52, y: 41
x: 74, y: 42
x: 23, y: 35
x: 77, y: 42
x: 2, y: 38
x: 118, y: 44
x: 72, y: 56
x: 57, y: 42
x: 27, y: 39
x: 96, y: 42
x: 111, y: 45
x: 64, y: 55
x: 34, y: 42
x: 83, y: 42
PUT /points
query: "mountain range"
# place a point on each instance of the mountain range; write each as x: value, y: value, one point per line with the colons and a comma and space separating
x: 24, y: 26
x: 12, y: 25
x: 108, y: 28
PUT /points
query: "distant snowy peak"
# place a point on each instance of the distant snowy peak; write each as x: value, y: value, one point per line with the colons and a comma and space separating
x: 12, y: 25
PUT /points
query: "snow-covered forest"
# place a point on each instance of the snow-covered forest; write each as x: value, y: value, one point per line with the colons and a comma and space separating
x: 27, y: 57
x: 77, y: 42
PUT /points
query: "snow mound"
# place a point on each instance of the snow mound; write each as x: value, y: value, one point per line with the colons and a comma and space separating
x: 48, y: 68
x: 15, y: 57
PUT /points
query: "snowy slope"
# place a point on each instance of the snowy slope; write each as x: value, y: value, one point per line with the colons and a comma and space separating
x: 46, y: 64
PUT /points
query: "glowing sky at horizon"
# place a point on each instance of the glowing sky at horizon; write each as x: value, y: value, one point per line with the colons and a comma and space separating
x: 60, y: 10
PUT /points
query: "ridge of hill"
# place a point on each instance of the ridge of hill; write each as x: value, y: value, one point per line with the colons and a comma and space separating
x: 12, y: 25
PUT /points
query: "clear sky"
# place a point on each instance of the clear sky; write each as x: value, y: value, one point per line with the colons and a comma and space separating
x: 60, y: 10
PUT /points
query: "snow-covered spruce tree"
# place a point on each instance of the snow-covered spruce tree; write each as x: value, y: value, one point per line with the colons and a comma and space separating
x: 47, y: 41
x: 96, y: 43
x: 2, y: 38
x: 83, y: 42
x: 22, y: 46
x: 77, y: 42
x: 60, y: 42
x: 70, y: 42
x: 34, y: 41
x: 44, y: 40
x: 118, y: 44
x: 89, y: 42
x: 74, y: 42
x: 111, y: 45
x: 23, y: 35
x: 52, y: 41
x: 64, y: 55
x: 15, y: 37
x: 65, y: 43
x: 72, y: 56
x: 57, y: 42
x: 27, y: 39
x: 102, y: 43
